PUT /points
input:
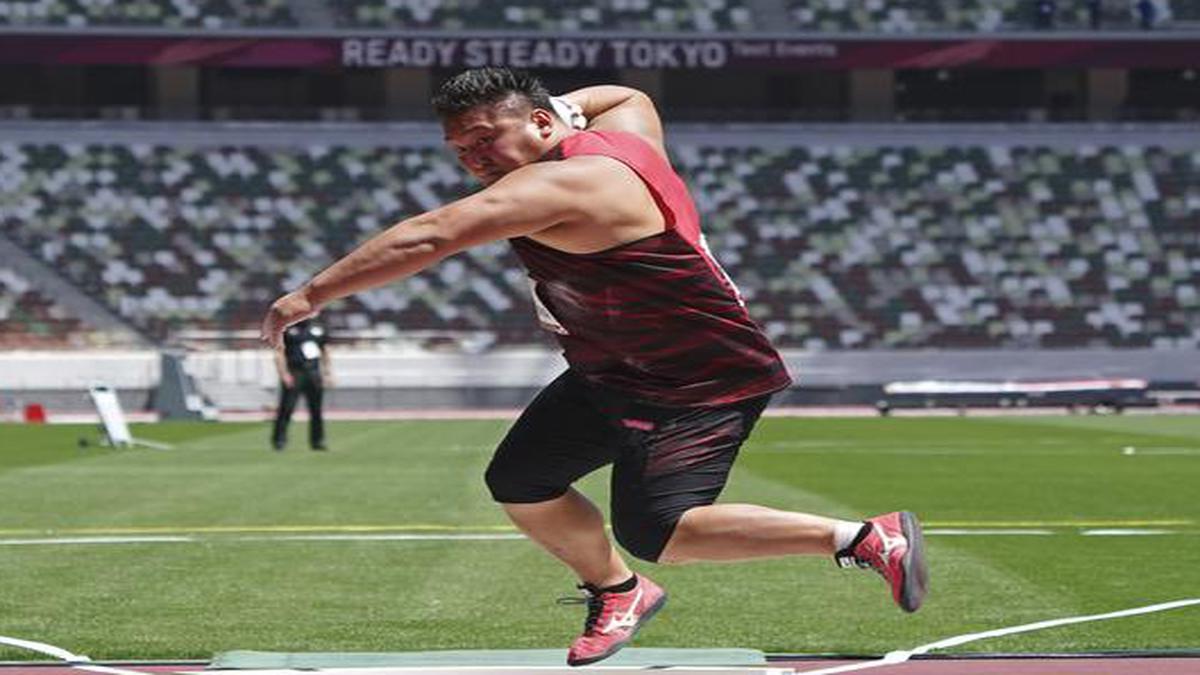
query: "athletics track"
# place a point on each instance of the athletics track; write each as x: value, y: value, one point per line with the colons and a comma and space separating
x: 914, y: 661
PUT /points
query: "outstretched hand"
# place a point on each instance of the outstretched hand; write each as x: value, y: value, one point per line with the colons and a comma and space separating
x: 285, y: 311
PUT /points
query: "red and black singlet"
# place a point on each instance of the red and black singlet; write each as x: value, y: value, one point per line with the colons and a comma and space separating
x: 656, y: 318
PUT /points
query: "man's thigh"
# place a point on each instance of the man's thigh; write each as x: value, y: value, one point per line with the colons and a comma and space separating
x: 676, y: 460
x: 559, y: 438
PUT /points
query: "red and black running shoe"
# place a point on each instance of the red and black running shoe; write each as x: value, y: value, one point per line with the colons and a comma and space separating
x: 613, y: 619
x: 893, y: 546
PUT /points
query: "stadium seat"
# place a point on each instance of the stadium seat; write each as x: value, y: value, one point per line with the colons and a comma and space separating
x: 208, y: 14
x: 833, y: 247
x: 565, y: 15
x: 932, y: 16
x: 31, y: 320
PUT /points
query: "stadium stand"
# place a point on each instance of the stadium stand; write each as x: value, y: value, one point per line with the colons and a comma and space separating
x: 872, y: 16
x: 959, y: 247
x: 924, y: 16
x: 838, y: 247
x: 566, y: 15
x: 30, y: 320
x: 177, y: 239
x: 209, y: 14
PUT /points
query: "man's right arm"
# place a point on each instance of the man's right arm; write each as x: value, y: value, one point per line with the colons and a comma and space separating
x: 616, y: 108
x: 528, y: 200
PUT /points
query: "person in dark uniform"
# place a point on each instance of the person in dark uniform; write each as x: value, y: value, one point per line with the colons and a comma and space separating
x: 1095, y: 13
x: 303, y: 366
x: 667, y: 373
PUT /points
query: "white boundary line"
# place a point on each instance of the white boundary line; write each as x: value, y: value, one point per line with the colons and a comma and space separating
x: 443, y: 528
x: 188, y: 539
x: 900, y: 656
x: 516, y: 670
x: 964, y: 532
x: 76, y: 661
x: 100, y: 540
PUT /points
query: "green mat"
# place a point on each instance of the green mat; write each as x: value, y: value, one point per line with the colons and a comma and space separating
x: 250, y: 660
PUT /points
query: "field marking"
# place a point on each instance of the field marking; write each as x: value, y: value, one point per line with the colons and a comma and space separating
x: 1162, y: 522
x: 177, y: 539
x: 900, y: 656
x: 390, y: 537
x: 517, y: 670
x: 472, y: 530
x: 970, y: 449
x: 1163, y: 451
x: 489, y: 536
x: 64, y: 541
x: 77, y: 661
x: 1123, y: 532
x: 951, y: 532
x: 255, y: 529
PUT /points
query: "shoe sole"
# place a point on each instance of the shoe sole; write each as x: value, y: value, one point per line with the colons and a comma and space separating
x: 646, y: 616
x: 916, y: 571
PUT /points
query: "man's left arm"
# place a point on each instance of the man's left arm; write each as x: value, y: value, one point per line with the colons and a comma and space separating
x: 326, y: 366
x: 616, y: 108
x: 528, y: 200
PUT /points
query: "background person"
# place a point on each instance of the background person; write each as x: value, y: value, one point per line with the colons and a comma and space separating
x: 304, y: 368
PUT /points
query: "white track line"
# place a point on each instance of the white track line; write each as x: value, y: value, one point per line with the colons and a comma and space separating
x: 175, y: 539
x: 387, y: 537
x: 101, y: 540
x: 963, y: 532
x: 64, y: 541
x: 900, y: 656
x: 517, y: 670
x: 72, y: 660
x: 1125, y: 532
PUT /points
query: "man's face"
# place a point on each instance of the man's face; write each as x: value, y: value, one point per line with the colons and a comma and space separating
x: 493, y: 139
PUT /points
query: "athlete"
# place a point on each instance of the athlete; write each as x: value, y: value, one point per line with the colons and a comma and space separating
x: 667, y: 373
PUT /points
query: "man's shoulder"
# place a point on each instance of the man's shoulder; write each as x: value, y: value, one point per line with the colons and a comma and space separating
x: 575, y: 172
x: 604, y: 140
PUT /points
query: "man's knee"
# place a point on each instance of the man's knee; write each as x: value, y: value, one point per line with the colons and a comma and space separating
x: 643, y: 535
x: 502, y: 484
x: 511, y: 486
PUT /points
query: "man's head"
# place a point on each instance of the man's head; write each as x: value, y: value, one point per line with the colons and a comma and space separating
x: 497, y: 120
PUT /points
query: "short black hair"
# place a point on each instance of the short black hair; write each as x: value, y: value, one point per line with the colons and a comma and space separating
x: 484, y: 86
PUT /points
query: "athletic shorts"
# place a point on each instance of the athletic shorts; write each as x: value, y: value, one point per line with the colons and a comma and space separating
x: 665, y: 460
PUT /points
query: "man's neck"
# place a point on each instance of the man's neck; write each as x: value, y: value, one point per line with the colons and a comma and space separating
x: 555, y: 151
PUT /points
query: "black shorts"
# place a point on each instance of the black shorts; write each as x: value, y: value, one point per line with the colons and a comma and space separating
x: 665, y: 460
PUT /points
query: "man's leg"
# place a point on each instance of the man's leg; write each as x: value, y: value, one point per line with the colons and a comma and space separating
x: 664, y: 493
x: 313, y: 394
x: 720, y: 532
x: 664, y: 506
x: 559, y: 438
x: 891, y: 544
x: 571, y: 529
x: 283, y: 414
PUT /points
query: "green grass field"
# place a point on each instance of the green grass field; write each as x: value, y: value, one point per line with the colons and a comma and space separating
x: 237, y: 582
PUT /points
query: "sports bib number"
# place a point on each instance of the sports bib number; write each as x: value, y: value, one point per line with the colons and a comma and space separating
x: 310, y: 350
